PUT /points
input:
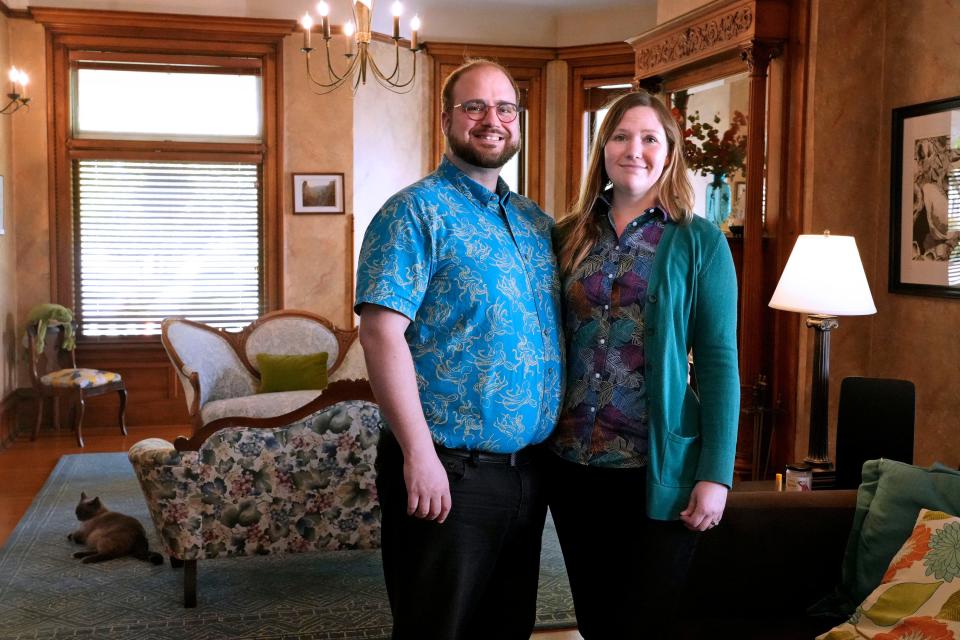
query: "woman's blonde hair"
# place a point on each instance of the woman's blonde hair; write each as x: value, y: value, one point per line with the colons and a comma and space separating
x: 580, y: 229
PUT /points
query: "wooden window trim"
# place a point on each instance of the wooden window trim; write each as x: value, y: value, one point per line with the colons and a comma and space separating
x: 588, y: 66
x: 174, y: 36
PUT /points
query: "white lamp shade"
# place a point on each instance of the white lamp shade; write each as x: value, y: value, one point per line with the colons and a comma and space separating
x: 824, y: 276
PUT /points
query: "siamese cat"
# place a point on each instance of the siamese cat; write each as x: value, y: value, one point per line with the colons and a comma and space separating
x: 110, y: 535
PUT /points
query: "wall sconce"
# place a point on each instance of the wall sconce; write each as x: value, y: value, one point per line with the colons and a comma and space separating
x: 18, y: 97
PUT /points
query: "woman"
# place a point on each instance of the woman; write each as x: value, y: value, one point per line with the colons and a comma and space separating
x: 645, y: 443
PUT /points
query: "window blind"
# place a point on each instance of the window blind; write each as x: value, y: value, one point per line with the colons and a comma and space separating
x: 158, y: 239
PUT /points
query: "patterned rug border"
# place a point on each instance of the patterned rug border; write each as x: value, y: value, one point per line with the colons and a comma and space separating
x: 302, y: 622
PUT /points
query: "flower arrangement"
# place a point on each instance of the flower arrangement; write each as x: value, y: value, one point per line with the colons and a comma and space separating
x: 709, y: 152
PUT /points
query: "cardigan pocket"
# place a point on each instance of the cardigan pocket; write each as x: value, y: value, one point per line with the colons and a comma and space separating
x: 679, y: 463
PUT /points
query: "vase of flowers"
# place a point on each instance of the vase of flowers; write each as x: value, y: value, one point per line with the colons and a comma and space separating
x: 715, y: 154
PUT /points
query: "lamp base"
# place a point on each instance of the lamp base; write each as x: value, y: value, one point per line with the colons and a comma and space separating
x: 824, y: 476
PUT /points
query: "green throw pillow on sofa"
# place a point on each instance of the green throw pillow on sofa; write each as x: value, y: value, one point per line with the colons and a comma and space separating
x: 888, y: 502
x: 292, y: 373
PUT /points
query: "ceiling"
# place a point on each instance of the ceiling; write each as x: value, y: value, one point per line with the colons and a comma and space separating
x: 514, y: 22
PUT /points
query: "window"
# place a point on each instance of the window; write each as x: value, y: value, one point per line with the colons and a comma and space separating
x: 159, y: 239
x: 167, y: 196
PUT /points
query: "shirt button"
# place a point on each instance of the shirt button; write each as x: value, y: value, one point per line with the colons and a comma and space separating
x: 652, y: 298
x: 609, y: 275
x: 602, y: 341
x: 550, y: 370
x: 593, y: 409
x: 606, y: 307
x: 596, y: 375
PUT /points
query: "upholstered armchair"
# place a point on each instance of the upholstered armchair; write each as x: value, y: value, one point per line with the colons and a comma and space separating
x: 251, y: 491
x: 220, y: 375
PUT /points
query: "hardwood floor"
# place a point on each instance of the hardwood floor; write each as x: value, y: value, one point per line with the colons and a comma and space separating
x: 25, y: 465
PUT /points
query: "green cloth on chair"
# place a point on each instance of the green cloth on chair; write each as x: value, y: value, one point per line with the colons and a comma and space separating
x: 49, y: 313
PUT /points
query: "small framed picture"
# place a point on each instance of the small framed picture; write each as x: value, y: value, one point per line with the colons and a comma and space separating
x: 318, y: 193
x: 924, y: 199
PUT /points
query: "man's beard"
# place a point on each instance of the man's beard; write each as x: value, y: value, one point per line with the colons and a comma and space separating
x: 484, y: 160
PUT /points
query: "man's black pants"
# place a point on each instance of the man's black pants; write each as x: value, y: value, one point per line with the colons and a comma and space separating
x: 474, y: 576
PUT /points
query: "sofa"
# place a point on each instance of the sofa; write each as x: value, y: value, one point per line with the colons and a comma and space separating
x: 773, y: 555
x: 879, y: 562
x: 220, y: 370
x: 246, y: 490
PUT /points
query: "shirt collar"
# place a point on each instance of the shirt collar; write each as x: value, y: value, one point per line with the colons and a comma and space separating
x: 604, y: 203
x: 470, y: 187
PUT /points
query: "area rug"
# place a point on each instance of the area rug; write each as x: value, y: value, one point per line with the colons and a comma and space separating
x: 45, y: 594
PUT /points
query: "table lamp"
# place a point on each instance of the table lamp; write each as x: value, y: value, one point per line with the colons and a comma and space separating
x: 823, y: 278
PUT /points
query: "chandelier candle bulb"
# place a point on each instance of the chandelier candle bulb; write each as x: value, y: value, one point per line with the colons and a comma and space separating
x: 324, y: 10
x: 307, y: 23
x: 414, y: 28
x: 14, y: 77
x: 397, y: 11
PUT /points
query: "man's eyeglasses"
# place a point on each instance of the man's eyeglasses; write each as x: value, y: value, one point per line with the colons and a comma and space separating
x: 477, y: 110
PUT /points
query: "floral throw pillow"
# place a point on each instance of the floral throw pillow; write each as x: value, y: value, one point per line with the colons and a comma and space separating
x: 919, y: 596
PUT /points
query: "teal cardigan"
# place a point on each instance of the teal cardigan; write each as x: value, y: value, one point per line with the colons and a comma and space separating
x: 691, y: 305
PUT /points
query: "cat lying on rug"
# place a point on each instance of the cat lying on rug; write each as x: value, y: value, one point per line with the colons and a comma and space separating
x: 110, y: 534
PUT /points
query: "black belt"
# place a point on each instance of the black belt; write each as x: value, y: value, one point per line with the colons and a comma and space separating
x: 515, y: 459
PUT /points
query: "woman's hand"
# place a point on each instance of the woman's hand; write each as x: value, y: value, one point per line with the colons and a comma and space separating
x: 705, y: 508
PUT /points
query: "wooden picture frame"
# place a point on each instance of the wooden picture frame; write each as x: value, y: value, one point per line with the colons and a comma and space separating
x: 318, y: 193
x: 924, y: 189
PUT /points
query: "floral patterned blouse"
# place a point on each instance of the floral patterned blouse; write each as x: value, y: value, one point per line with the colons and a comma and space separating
x: 603, y: 421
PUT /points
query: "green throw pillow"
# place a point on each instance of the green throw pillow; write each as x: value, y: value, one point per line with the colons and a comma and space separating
x: 292, y: 373
x: 888, y: 502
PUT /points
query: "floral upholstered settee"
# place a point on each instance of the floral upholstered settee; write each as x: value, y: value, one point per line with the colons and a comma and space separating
x: 252, y: 491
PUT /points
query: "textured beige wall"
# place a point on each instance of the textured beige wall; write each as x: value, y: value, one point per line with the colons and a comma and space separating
x: 8, y: 248
x: 917, y: 337
x: 870, y: 58
x: 392, y: 137
x: 669, y: 9
x: 29, y: 184
x: 317, y: 140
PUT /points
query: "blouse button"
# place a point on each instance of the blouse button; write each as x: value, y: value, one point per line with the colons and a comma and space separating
x: 602, y: 341
x: 593, y: 409
x: 596, y: 375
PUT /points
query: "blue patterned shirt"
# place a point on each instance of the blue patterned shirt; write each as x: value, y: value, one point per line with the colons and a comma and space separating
x: 604, y: 419
x: 475, y: 273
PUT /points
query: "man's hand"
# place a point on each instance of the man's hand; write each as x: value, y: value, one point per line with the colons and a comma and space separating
x: 707, y: 501
x: 428, y: 489
x: 394, y: 382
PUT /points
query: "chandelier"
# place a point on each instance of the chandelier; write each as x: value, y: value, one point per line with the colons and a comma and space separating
x: 360, y: 62
x: 18, y: 97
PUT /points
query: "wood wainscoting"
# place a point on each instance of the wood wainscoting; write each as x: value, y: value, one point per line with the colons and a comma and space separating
x: 8, y: 418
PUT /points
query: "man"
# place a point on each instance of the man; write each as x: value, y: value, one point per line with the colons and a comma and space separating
x: 457, y: 292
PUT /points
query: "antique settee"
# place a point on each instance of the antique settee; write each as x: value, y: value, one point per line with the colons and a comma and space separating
x: 284, y: 472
